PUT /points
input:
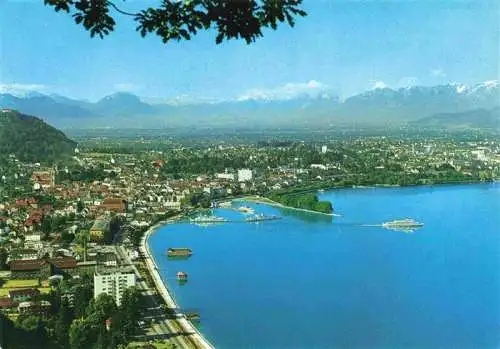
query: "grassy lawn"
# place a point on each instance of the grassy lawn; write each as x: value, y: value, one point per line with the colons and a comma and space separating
x: 257, y: 199
x: 20, y: 283
x: 44, y: 290
x: 11, y: 285
x: 4, y: 292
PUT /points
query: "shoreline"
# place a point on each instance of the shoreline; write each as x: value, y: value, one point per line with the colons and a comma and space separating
x: 263, y: 200
x: 266, y: 201
x: 388, y: 186
x: 161, y: 286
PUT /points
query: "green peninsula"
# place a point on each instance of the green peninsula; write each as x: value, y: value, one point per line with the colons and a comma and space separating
x: 305, y: 201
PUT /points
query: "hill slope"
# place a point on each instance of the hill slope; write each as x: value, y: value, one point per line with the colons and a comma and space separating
x: 31, y: 139
x: 477, y: 119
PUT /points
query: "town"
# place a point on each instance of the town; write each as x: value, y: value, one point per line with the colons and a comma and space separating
x: 72, y: 253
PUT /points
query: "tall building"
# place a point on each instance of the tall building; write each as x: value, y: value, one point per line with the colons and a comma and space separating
x: 324, y: 149
x: 113, y: 284
x: 244, y: 175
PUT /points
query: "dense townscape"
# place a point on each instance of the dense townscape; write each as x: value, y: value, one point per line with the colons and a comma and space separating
x: 73, y: 271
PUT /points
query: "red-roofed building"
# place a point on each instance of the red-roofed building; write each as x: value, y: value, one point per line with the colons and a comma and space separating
x: 38, y: 268
x: 46, y: 179
x: 158, y: 163
x: 63, y: 265
x: 26, y: 202
x: 115, y: 205
x: 7, y: 303
x: 29, y: 269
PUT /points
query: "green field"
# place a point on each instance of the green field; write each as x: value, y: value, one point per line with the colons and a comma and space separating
x: 20, y: 283
x: 11, y: 285
x: 4, y: 292
x: 257, y: 199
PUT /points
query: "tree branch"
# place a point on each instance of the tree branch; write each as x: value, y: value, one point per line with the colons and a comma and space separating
x: 110, y: 3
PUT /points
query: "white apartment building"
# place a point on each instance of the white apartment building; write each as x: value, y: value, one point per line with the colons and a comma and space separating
x: 318, y: 166
x: 35, y: 237
x: 113, y: 284
x: 229, y: 176
x: 172, y: 205
x: 244, y: 175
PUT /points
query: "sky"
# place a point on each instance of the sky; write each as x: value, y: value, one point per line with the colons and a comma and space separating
x: 342, y: 47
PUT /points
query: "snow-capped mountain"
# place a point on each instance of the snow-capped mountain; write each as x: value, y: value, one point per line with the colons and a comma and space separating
x: 421, y: 101
x: 282, y: 108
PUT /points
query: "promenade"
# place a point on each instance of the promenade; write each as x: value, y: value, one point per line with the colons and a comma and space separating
x: 187, y: 328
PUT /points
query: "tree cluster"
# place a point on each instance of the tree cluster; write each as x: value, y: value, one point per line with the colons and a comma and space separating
x: 76, y: 324
x: 84, y: 174
x: 31, y: 139
x: 114, y: 228
x: 306, y: 201
x: 180, y: 20
x: 106, y: 325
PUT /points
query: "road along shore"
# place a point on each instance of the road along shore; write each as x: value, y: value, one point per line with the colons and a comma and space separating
x: 186, y: 327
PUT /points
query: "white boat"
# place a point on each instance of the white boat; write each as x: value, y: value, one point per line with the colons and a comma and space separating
x: 246, y: 210
x: 403, y: 223
x: 208, y: 219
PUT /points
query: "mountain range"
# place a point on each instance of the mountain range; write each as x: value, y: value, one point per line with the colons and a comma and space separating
x: 477, y: 118
x: 381, y: 106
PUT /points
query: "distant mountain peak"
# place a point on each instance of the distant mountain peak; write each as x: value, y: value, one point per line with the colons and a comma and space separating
x: 490, y: 84
x: 460, y: 88
x: 121, y: 96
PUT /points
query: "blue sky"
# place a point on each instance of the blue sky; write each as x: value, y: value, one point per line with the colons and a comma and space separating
x: 343, y: 47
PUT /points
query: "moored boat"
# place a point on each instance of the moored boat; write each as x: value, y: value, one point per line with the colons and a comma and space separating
x: 246, y: 209
x: 182, y: 276
x: 179, y: 252
x: 261, y: 217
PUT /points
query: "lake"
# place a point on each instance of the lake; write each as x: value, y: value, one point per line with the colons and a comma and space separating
x: 313, y: 281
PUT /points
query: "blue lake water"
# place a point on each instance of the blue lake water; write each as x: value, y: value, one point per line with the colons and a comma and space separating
x: 312, y: 281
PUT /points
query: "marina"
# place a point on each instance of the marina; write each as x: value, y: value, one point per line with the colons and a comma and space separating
x: 262, y: 217
x: 248, y: 212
